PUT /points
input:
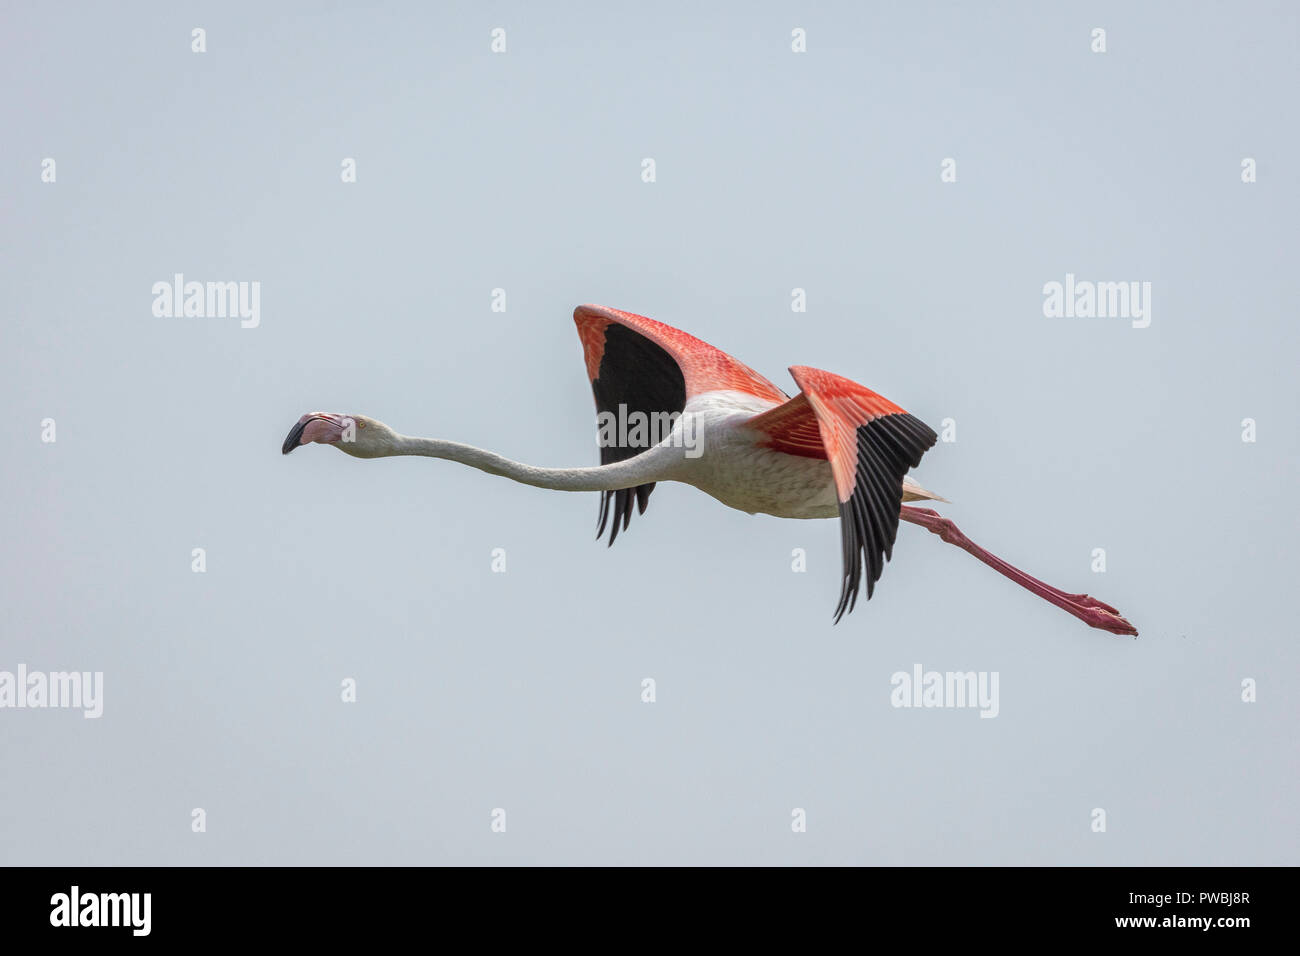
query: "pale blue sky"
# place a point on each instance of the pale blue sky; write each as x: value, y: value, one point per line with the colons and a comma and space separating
x: 522, y: 690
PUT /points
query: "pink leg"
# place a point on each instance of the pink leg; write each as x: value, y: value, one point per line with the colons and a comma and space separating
x: 1087, y: 609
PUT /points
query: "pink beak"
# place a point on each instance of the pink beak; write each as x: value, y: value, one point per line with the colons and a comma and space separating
x: 314, y: 427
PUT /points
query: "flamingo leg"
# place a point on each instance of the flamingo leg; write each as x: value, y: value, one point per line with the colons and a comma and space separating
x: 1092, y: 612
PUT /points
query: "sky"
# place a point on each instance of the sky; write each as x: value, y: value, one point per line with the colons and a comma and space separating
x: 406, y: 661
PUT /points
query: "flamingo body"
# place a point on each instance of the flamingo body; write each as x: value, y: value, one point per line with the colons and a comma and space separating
x: 738, y: 468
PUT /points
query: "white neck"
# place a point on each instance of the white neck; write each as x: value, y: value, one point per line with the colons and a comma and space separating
x: 650, y: 465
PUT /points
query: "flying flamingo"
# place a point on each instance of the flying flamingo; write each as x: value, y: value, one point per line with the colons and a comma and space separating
x: 836, y: 449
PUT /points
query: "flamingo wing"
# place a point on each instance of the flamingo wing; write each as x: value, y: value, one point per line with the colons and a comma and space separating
x: 636, y: 364
x: 870, y: 443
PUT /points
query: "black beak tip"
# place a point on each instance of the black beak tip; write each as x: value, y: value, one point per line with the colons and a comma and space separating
x: 291, y: 441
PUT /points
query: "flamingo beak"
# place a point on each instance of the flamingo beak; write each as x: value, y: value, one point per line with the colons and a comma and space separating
x: 295, y: 436
x: 316, y: 427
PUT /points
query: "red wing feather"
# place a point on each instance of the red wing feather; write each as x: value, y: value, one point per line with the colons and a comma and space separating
x: 704, y: 367
x: 870, y: 443
x: 791, y: 428
x: 639, y: 365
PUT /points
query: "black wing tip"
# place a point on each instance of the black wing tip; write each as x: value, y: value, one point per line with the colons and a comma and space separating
x: 616, y: 509
x: 887, y: 447
x: 639, y: 375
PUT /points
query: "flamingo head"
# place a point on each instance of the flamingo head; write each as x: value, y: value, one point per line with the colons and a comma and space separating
x: 359, y: 436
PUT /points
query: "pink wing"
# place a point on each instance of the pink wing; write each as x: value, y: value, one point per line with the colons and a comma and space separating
x: 703, y: 368
x: 648, y: 367
x: 870, y: 443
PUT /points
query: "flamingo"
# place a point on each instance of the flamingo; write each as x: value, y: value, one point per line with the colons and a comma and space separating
x: 837, y: 449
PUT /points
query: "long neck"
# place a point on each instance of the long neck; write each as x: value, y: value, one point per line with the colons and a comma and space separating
x: 643, y: 468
